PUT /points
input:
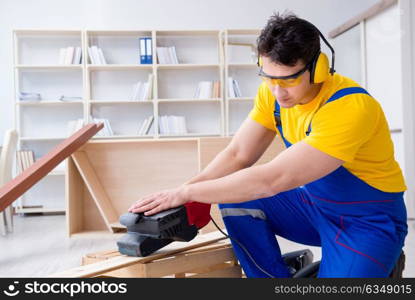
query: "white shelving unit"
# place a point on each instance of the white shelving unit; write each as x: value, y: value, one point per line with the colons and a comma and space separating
x: 106, y: 90
x: 43, y: 124
x: 240, y: 64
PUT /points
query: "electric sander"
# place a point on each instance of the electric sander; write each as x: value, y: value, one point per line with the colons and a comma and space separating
x: 147, y: 234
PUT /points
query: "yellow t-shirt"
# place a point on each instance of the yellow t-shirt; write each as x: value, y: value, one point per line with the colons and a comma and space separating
x: 352, y: 128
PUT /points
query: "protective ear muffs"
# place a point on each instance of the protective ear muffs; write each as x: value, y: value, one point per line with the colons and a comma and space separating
x: 319, y: 68
x: 259, y: 61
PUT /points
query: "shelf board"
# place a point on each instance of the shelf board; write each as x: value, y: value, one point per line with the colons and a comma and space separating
x: 42, y: 138
x: 186, y: 66
x: 241, y: 99
x: 191, y: 100
x: 242, y: 65
x: 49, y: 67
x: 150, y: 136
x: 47, y: 32
x: 45, y: 103
x: 243, y: 31
x: 121, y: 102
x: 186, y: 32
x: 133, y: 33
x: 189, y: 135
x: 39, y: 210
x: 117, y: 67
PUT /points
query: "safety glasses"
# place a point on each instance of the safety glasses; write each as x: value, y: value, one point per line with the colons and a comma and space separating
x: 283, y: 81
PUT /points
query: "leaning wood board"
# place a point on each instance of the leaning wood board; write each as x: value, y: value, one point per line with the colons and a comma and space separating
x: 30, y: 176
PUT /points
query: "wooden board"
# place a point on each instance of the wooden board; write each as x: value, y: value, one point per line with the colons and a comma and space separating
x: 95, y: 188
x: 116, y: 173
x: 29, y: 177
x: 123, y: 171
x: 119, y: 262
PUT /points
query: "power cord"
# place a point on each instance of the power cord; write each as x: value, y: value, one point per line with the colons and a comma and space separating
x: 243, y: 248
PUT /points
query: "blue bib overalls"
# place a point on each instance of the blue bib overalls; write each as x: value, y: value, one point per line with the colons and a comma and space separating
x: 361, y: 229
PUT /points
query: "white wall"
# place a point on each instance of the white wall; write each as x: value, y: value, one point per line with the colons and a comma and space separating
x: 151, y: 14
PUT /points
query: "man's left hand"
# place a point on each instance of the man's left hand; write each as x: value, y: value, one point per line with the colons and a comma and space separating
x: 159, y: 201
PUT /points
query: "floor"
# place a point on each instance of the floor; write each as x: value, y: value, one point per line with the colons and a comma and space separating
x: 39, y: 246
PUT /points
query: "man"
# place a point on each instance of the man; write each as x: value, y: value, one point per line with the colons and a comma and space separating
x: 337, y: 185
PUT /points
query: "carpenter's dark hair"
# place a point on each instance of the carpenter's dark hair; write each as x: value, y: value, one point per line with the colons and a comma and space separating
x: 287, y: 39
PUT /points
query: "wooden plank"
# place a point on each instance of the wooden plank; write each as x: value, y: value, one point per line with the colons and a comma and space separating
x: 98, y: 256
x: 74, y: 189
x: 107, y: 254
x: 183, y: 262
x: 95, y: 188
x: 227, y: 272
x: 367, y: 14
x: 130, y: 170
x: 29, y: 177
x: 119, y: 262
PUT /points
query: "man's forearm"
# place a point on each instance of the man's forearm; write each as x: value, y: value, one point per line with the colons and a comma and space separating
x: 245, y: 185
x: 293, y: 167
x: 225, y: 163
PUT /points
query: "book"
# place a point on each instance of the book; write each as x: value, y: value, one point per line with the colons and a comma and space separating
x: 143, y: 51
x: 167, y: 55
x: 236, y: 88
x: 149, y: 51
x: 149, y: 91
x: 25, y: 96
x: 174, y: 55
x: 26, y: 158
x: 231, y: 90
x: 95, y: 54
x: 143, y: 90
x: 108, y: 127
x: 206, y: 90
x: 77, y: 56
x: 101, y: 57
x: 19, y: 162
x: 91, y: 56
x: 149, y: 125
x: 107, y: 130
x: 69, y: 54
x: 172, y: 125
x: 216, y: 90
x: 31, y: 157
x: 170, y: 55
x: 141, y: 129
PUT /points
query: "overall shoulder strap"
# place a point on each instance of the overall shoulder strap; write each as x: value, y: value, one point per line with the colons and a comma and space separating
x: 340, y: 94
x: 278, y: 123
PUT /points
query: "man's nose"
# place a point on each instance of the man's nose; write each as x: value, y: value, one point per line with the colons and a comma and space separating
x: 279, y: 92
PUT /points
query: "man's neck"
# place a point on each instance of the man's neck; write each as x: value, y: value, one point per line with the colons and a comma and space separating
x: 313, y: 92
